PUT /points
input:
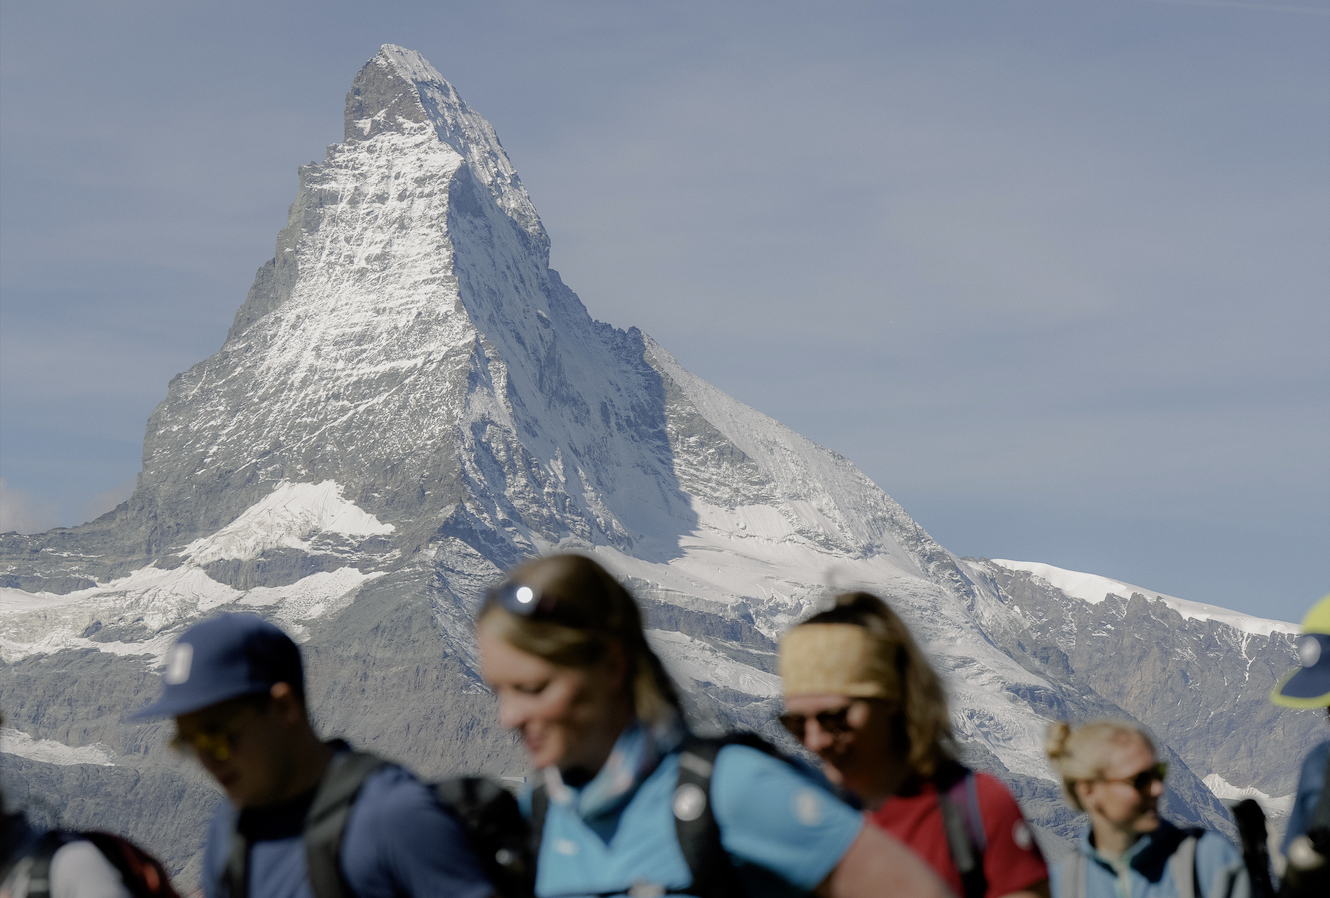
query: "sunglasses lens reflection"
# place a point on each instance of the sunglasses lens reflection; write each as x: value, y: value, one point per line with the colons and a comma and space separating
x: 833, y: 723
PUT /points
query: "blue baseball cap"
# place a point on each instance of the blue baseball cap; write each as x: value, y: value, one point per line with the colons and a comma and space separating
x: 1308, y: 685
x: 222, y: 658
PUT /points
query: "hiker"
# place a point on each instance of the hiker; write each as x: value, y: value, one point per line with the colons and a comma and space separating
x: 302, y: 816
x: 1109, y: 770
x: 629, y: 802
x: 41, y: 863
x: 73, y: 869
x: 862, y: 697
x: 1306, y: 844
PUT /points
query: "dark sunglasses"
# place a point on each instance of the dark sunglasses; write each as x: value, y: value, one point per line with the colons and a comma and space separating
x: 217, y: 742
x: 833, y: 723
x: 1142, y: 781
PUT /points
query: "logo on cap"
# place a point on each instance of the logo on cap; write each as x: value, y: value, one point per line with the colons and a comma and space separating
x: 1309, y: 651
x: 178, y: 661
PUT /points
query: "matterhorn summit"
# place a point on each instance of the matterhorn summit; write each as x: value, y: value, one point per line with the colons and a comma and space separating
x: 409, y: 401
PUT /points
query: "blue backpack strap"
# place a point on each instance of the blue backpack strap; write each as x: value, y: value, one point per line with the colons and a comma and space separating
x: 963, y: 824
x: 325, y: 822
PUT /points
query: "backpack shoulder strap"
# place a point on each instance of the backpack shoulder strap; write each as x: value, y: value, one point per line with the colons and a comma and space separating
x: 695, y: 825
x: 959, y: 806
x: 1183, y: 864
x: 498, y: 834
x: 540, y: 808
x: 1078, y: 873
x: 326, y: 819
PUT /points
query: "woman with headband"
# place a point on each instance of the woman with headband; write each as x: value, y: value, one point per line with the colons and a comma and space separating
x: 562, y: 646
x: 1110, y: 771
x: 861, y: 696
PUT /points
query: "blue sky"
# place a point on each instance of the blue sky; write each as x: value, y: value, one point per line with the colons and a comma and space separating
x: 1053, y: 274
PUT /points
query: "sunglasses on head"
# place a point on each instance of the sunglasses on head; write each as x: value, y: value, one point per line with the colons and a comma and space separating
x: 1144, y: 780
x: 834, y: 722
x: 532, y: 602
x: 521, y: 599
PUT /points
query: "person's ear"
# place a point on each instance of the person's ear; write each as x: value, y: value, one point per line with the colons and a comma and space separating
x: 285, y: 703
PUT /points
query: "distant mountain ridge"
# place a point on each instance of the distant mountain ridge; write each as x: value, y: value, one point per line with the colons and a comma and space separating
x: 410, y: 400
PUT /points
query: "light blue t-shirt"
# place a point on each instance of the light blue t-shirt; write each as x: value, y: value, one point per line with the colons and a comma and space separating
x: 399, y: 841
x: 784, y: 831
x: 1146, y: 871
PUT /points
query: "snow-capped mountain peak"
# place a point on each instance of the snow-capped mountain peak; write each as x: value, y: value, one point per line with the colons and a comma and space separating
x: 398, y: 91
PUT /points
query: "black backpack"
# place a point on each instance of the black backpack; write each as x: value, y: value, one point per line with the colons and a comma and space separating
x: 143, y: 874
x: 710, y: 867
x: 489, y: 814
x: 1252, y: 834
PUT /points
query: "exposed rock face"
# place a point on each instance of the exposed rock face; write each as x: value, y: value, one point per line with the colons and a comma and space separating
x: 409, y: 401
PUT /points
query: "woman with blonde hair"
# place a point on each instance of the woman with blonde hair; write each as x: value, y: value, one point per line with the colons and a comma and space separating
x: 861, y: 695
x: 562, y: 645
x: 1110, y: 771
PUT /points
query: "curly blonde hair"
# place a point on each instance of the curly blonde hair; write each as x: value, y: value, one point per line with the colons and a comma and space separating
x: 1082, y: 752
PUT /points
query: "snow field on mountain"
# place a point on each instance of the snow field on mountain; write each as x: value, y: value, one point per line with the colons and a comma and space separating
x: 157, y: 600
x: 286, y: 518
x: 49, y: 751
x: 1093, y: 588
x: 1226, y: 791
x: 692, y: 661
x: 824, y: 490
x: 154, y: 600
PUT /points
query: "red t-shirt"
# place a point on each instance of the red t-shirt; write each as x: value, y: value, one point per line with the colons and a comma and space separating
x: 1012, y: 860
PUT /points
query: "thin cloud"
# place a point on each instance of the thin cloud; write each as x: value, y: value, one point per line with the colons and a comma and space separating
x: 23, y: 512
x: 1234, y: 4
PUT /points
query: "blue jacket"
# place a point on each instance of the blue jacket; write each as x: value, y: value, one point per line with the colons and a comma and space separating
x: 1145, y: 871
x: 1310, y: 783
x: 399, y: 841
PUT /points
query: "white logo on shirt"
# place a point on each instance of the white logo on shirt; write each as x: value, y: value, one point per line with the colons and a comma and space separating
x: 1021, y: 835
x: 808, y: 807
x: 177, y: 664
